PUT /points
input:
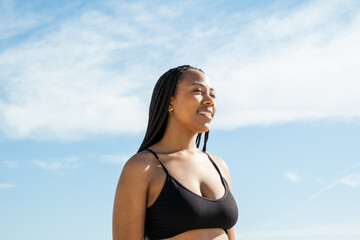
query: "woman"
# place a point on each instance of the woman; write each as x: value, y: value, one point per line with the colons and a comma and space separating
x: 171, y: 189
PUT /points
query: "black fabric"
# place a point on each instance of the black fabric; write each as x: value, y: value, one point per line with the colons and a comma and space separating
x: 177, y: 209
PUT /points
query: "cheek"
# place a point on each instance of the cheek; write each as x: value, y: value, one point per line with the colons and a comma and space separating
x: 187, y: 104
x: 188, y: 100
x: 215, y: 108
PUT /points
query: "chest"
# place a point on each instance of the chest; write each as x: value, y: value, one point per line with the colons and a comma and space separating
x: 200, y: 178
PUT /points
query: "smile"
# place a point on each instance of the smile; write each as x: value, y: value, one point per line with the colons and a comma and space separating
x: 206, y: 114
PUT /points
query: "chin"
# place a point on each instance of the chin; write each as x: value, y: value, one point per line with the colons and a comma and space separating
x: 204, y: 129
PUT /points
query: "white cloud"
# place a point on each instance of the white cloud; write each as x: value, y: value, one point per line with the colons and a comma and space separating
x: 294, y: 66
x: 114, y: 158
x: 319, y: 181
x: 71, y: 159
x: 336, y: 231
x: 11, y: 24
x: 6, y: 185
x: 93, y: 73
x: 353, y: 180
x: 63, y: 87
x: 65, y: 163
x: 293, y: 177
x: 48, y: 166
x: 11, y: 164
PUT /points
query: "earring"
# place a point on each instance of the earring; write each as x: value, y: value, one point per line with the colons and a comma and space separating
x: 171, y: 109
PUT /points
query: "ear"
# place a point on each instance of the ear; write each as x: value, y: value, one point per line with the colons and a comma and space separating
x: 171, y: 107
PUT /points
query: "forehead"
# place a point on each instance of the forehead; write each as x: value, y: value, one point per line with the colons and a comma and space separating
x: 195, y: 77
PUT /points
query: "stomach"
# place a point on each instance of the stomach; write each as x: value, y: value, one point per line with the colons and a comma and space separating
x: 203, y: 234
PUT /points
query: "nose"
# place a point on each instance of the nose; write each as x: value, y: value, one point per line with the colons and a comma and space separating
x: 208, y: 100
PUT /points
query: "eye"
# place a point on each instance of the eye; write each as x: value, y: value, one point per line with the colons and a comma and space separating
x: 212, y: 95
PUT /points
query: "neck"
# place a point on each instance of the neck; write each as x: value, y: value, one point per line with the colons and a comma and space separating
x: 176, y: 138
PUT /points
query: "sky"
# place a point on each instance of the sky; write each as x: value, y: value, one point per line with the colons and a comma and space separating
x: 76, y: 79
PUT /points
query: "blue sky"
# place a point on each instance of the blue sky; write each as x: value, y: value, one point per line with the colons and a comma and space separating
x: 75, y: 85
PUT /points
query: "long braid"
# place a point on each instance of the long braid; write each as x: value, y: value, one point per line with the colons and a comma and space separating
x: 198, y: 139
x: 158, y: 110
x: 205, y: 140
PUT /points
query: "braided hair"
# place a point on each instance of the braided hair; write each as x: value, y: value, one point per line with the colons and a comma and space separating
x: 158, y: 111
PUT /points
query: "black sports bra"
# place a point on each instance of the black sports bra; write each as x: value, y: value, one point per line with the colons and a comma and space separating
x: 177, y: 209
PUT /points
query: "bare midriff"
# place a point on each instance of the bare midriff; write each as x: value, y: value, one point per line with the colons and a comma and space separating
x: 203, y: 234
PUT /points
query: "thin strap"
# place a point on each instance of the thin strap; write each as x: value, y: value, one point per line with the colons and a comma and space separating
x: 215, y: 166
x: 166, y: 171
x: 222, y: 180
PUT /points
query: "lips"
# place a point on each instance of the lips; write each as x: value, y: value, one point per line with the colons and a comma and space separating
x: 208, y: 113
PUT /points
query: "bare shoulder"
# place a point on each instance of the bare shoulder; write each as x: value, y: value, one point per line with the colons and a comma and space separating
x: 222, y: 166
x: 131, y: 197
x: 138, y: 160
x: 220, y: 163
x: 139, y: 164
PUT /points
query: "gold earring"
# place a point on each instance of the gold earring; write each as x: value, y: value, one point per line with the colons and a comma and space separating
x: 171, y: 109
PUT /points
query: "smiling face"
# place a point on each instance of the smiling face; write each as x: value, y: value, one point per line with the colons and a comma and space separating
x: 193, y: 103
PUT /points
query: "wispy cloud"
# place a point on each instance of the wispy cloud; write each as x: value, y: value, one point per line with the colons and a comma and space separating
x: 317, y: 194
x: 114, y: 158
x: 348, y: 231
x: 6, y: 185
x: 92, y: 73
x: 293, y: 177
x: 349, y: 168
x: 65, y: 163
x: 63, y: 86
x: 11, y: 24
x: 11, y: 164
x: 292, y: 66
x: 48, y: 166
x: 352, y: 180
x: 319, y: 181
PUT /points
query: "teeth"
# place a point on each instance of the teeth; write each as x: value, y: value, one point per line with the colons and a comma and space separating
x: 206, y: 114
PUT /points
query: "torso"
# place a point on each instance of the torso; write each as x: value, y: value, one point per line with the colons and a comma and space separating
x: 196, y: 173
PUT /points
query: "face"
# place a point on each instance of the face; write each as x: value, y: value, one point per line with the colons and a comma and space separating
x: 194, y: 102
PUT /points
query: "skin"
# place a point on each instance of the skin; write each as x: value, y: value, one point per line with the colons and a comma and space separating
x: 184, y: 161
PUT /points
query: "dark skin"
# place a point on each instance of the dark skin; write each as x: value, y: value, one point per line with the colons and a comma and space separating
x: 142, y: 177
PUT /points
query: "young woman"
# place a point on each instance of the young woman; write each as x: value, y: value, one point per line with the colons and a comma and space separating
x: 171, y: 189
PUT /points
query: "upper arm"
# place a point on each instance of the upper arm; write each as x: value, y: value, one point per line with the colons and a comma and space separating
x: 130, y: 200
x: 231, y: 234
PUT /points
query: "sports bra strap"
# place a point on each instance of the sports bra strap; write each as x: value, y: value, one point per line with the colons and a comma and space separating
x: 213, y: 162
x: 166, y: 171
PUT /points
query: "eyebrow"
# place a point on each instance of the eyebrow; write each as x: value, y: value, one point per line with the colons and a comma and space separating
x: 201, y: 84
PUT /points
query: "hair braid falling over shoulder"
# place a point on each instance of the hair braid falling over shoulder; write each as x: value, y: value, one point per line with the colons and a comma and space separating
x: 198, y: 139
x: 158, y: 111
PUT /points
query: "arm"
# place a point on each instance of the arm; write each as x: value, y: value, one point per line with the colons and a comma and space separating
x: 231, y: 234
x: 224, y: 169
x: 130, y: 200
